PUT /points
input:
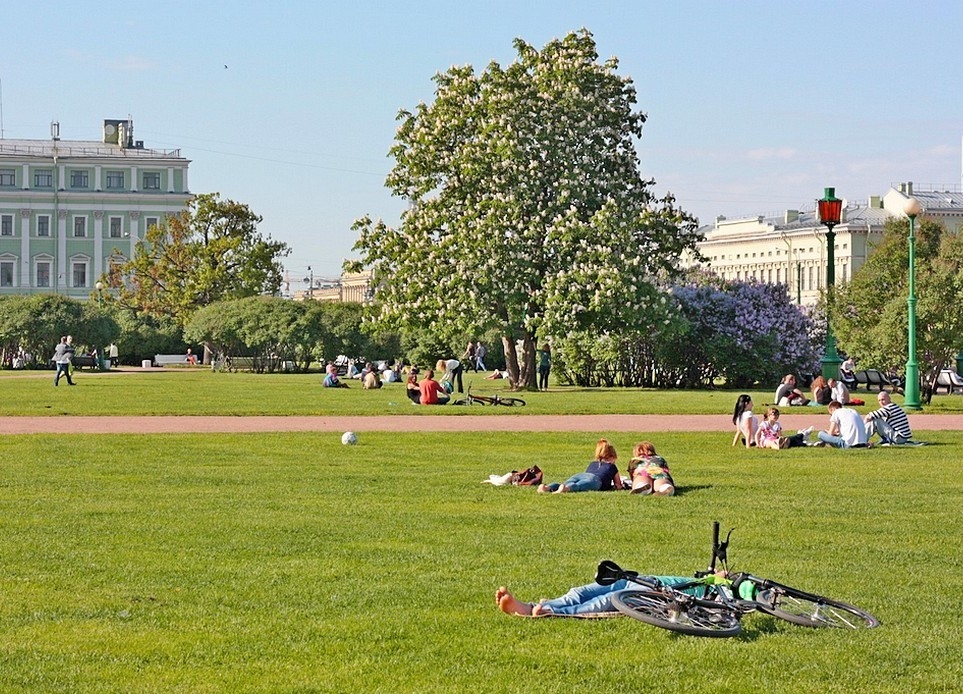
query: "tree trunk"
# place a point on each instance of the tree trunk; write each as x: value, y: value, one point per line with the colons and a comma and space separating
x: 523, y: 373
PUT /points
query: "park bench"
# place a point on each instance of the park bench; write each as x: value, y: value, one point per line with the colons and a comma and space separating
x: 871, y: 378
x: 165, y: 359
x: 81, y: 361
x: 950, y: 380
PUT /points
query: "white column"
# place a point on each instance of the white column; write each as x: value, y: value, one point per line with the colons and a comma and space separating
x: 133, y: 179
x: 26, y: 176
x: 170, y: 179
x: 98, y: 183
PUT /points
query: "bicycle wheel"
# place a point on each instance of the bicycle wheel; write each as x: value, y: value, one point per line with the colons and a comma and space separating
x: 811, y: 610
x: 511, y: 402
x: 681, y: 613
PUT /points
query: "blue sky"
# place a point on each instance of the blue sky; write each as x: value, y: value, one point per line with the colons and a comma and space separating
x: 753, y: 107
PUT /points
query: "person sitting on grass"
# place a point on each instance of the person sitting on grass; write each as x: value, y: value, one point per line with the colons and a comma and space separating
x: 745, y: 422
x: 889, y: 421
x: 769, y: 434
x: 788, y: 395
x: 846, y: 428
x: 600, y: 475
x: 431, y: 392
x: 332, y: 380
x: 412, y: 390
x: 649, y: 471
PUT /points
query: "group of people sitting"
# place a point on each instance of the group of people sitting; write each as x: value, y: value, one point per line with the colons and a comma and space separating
x: 823, y: 391
x: 648, y: 473
x: 847, y: 429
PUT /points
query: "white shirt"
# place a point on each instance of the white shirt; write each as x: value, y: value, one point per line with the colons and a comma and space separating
x: 852, y: 430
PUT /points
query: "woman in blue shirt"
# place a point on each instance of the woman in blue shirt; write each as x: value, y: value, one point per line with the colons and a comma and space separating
x: 600, y: 475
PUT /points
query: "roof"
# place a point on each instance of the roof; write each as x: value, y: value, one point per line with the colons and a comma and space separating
x: 80, y: 149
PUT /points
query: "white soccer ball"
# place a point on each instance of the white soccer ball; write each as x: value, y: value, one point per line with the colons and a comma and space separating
x: 349, y: 438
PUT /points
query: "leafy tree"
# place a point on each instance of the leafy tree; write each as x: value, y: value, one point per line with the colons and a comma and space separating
x: 871, y: 313
x: 527, y: 209
x: 209, y: 252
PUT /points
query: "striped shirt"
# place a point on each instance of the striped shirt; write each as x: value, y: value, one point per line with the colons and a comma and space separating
x: 893, y: 415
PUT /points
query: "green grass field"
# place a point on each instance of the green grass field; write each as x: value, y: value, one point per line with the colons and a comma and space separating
x: 288, y: 562
x: 200, y: 392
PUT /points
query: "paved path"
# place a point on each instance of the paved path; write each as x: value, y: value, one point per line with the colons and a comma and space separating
x: 506, y: 422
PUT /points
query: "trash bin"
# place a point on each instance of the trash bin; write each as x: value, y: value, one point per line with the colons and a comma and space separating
x: 146, y: 364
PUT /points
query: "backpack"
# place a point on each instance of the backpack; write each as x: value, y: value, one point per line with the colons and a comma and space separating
x: 527, y: 478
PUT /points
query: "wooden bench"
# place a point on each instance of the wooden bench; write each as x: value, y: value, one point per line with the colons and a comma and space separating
x: 950, y: 380
x: 165, y: 359
x: 872, y: 378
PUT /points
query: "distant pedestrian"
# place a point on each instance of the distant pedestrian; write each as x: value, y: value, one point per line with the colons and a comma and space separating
x: 63, y: 355
x: 480, y: 353
x: 544, y: 366
x: 468, y: 358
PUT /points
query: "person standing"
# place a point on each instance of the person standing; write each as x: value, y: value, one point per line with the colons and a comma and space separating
x: 480, y: 353
x: 544, y: 366
x: 889, y: 421
x: 846, y: 429
x: 469, y: 356
x: 452, y: 370
x: 114, y: 354
x: 63, y: 355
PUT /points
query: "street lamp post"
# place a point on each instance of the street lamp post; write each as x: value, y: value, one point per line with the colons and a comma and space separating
x: 830, y: 212
x: 310, y: 281
x: 911, y: 389
x: 100, y: 306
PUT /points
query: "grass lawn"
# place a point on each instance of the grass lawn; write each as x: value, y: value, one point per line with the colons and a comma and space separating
x: 201, y: 392
x: 287, y: 562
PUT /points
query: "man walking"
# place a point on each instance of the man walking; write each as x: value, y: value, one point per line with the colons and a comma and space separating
x: 63, y: 354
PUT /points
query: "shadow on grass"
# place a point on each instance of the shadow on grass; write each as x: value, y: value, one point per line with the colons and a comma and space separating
x: 690, y: 488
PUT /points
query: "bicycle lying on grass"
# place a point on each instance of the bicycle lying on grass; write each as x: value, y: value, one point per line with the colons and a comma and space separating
x: 496, y: 399
x: 723, y: 600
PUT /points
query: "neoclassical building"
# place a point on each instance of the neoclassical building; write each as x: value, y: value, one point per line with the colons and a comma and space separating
x: 790, y: 248
x: 68, y: 207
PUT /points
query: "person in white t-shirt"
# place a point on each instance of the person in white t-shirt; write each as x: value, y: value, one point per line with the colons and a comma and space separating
x: 846, y: 428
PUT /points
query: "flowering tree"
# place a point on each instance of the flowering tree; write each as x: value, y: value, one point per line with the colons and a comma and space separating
x: 744, y: 332
x: 527, y: 209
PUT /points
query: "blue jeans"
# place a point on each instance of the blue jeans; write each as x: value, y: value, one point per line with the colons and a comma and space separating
x: 63, y: 369
x: 830, y: 440
x: 596, y: 598
x: 583, y: 482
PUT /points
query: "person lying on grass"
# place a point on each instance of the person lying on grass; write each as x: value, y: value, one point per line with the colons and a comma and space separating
x: 601, y: 475
x: 592, y: 600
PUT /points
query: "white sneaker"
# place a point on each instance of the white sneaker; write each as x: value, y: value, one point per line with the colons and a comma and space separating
x: 806, y: 432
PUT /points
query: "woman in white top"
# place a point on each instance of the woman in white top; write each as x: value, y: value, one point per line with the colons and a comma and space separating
x: 745, y: 422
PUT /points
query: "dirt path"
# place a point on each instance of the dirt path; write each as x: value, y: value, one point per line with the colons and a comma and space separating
x: 507, y: 422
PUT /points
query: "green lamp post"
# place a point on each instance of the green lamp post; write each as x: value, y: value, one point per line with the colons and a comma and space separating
x: 911, y: 390
x: 100, y: 306
x: 830, y: 211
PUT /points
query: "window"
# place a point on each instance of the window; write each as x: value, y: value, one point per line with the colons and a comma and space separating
x: 43, y: 225
x: 80, y: 227
x: 6, y: 225
x: 6, y: 273
x: 151, y: 180
x: 43, y: 273
x: 115, y: 180
x: 116, y: 227
x: 78, y: 274
x: 78, y: 179
x: 43, y: 178
x: 8, y: 178
x: 151, y: 222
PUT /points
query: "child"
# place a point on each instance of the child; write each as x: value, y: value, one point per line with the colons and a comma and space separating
x: 769, y: 434
x: 650, y: 472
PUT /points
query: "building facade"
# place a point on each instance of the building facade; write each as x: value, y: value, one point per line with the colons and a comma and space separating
x: 790, y: 248
x: 69, y: 208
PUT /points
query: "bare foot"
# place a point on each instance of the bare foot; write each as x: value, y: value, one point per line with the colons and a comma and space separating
x: 542, y: 488
x: 539, y: 610
x: 509, y: 604
x: 561, y: 489
x: 500, y: 593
